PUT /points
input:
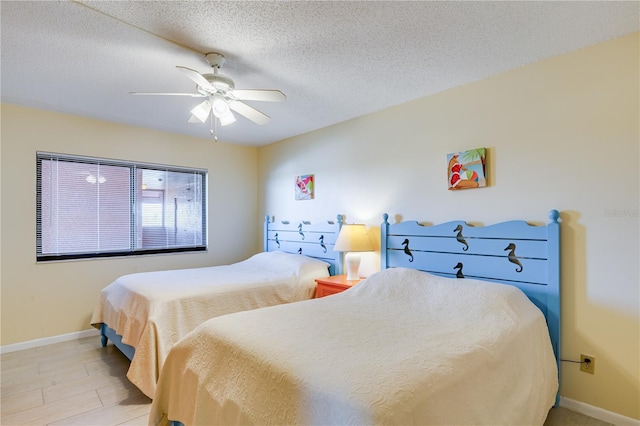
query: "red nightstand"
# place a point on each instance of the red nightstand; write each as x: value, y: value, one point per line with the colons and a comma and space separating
x: 332, y: 285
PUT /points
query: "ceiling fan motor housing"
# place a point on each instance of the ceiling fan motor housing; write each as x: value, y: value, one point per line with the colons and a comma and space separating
x: 220, y: 82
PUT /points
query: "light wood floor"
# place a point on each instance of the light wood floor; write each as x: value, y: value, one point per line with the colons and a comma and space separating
x: 81, y: 383
x: 71, y: 383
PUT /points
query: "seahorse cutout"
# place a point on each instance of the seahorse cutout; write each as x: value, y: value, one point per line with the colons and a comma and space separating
x: 460, y: 238
x: 512, y: 256
x: 276, y: 239
x: 405, y: 243
x: 300, y: 231
x: 459, y: 266
x: 324, y: 248
x: 300, y: 250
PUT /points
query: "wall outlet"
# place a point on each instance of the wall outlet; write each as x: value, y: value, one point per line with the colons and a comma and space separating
x: 587, y: 363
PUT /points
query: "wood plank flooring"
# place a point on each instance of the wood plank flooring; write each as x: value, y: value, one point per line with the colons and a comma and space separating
x: 81, y: 383
x: 71, y: 383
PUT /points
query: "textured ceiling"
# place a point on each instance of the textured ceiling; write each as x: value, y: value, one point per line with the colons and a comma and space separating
x: 334, y: 60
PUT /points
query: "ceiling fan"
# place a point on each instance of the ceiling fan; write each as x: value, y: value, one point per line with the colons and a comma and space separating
x: 222, y: 98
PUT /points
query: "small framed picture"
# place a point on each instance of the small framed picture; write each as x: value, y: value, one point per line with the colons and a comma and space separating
x: 467, y: 169
x: 304, y: 187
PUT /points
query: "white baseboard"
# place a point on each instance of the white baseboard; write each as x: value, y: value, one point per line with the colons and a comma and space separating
x: 597, y: 413
x: 49, y: 340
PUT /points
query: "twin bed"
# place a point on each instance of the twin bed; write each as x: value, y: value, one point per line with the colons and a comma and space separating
x: 144, y: 314
x: 461, y: 326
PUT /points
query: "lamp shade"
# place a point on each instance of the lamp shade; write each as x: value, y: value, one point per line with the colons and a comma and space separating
x: 353, y: 238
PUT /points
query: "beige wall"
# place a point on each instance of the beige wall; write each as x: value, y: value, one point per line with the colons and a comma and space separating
x: 561, y: 133
x: 49, y: 299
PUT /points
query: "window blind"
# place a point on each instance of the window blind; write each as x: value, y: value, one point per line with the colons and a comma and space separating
x: 93, y: 207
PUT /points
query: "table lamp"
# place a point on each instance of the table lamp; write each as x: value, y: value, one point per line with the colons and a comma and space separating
x: 353, y: 239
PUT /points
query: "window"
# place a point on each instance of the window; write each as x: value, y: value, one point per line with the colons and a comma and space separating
x: 93, y: 207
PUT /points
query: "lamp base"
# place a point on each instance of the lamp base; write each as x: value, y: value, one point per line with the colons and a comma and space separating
x: 352, y: 262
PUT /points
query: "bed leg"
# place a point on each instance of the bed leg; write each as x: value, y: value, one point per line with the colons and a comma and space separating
x: 103, y: 335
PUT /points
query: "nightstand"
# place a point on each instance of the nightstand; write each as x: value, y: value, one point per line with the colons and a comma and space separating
x: 334, y: 284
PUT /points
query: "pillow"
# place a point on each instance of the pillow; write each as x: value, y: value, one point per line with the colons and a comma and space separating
x: 305, y: 267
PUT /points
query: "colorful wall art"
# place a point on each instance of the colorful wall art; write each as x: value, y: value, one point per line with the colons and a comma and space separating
x: 304, y: 187
x: 467, y: 169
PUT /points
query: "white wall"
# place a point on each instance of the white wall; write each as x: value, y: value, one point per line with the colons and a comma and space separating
x: 561, y: 134
x: 50, y: 299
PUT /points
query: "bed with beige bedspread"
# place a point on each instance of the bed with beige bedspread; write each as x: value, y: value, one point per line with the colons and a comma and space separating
x: 153, y: 310
x: 403, y: 347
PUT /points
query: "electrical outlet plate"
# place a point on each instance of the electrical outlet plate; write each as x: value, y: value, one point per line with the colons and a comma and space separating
x: 587, y: 367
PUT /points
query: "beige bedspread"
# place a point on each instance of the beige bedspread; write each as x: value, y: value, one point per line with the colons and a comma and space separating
x: 153, y: 310
x: 403, y: 347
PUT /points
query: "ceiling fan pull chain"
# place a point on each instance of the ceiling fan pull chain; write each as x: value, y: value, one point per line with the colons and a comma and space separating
x: 214, y: 125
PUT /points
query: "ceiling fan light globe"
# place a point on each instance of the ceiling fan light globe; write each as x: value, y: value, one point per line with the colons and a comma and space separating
x: 201, y: 111
x: 220, y: 107
x: 227, y: 119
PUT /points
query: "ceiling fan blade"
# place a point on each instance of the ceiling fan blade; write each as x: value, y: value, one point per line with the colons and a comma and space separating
x: 193, y: 95
x: 260, y: 95
x: 196, y: 77
x: 249, y: 112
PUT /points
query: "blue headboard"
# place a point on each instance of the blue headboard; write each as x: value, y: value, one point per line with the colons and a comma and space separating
x: 313, y: 240
x: 513, y: 253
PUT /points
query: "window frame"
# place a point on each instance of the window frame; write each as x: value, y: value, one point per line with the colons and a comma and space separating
x: 133, y: 167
